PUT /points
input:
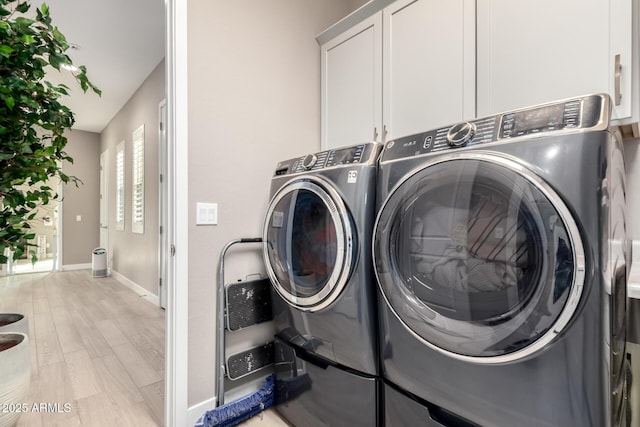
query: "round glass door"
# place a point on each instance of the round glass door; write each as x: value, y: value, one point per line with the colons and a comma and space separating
x: 479, y: 258
x: 308, y: 243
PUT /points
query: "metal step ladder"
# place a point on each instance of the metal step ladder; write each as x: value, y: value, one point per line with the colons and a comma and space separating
x: 244, y: 335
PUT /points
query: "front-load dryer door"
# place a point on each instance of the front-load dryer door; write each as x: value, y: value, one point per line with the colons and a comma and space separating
x: 479, y: 258
x: 308, y: 243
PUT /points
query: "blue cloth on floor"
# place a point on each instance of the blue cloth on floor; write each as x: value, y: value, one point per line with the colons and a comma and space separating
x: 233, y: 413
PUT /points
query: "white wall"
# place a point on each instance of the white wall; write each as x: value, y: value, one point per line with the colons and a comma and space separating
x: 632, y: 166
x: 254, y: 99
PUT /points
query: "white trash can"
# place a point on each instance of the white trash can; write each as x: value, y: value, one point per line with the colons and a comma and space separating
x: 99, y: 262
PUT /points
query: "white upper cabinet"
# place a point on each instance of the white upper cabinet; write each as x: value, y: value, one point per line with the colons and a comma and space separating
x: 429, y: 65
x: 415, y: 65
x: 406, y: 69
x: 531, y: 52
x: 352, y: 85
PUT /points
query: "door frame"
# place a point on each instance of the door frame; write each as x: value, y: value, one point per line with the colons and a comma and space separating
x: 162, y: 199
x: 57, y: 244
x: 104, y: 199
x: 177, y: 318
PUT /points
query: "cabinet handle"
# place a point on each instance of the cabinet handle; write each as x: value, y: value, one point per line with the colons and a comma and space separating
x: 384, y: 133
x: 375, y: 134
x: 616, y: 69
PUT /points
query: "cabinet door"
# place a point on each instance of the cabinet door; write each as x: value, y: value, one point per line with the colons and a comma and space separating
x: 532, y: 52
x: 352, y: 85
x: 429, y: 64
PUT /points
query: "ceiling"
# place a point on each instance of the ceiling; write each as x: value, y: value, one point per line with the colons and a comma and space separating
x: 120, y: 42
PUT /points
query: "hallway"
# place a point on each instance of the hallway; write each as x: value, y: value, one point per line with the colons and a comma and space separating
x: 97, y: 350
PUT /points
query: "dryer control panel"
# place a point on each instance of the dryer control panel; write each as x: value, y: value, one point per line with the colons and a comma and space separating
x: 357, y: 154
x: 589, y: 112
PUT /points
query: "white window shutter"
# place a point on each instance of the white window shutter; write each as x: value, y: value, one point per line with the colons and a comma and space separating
x: 137, y: 190
x: 120, y: 186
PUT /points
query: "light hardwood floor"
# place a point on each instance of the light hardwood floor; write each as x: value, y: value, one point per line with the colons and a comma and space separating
x: 97, y: 350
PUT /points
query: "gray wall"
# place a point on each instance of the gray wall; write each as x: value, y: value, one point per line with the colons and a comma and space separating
x: 254, y: 99
x: 135, y: 256
x: 80, y: 238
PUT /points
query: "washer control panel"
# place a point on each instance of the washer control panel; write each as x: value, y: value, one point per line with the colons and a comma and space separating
x: 459, y: 135
x: 589, y: 112
x: 357, y: 154
x: 309, y: 161
x: 544, y: 119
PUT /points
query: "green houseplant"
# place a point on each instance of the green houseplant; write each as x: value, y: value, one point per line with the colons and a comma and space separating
x: 32, y: 119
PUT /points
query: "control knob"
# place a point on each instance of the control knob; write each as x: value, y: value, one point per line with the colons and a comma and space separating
x: 309, y: 161
x: 459, y: 135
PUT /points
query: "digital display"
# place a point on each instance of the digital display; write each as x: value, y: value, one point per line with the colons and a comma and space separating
x: 346, y: 155
x: 538, y: 118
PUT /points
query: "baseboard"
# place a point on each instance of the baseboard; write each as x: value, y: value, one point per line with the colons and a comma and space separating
x: 196, y: 411
x: 136, y: 288
x: 71, y: 267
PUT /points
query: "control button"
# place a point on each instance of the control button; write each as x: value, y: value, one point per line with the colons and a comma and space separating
x: 460, y: 134
x: 427, y: 142
x: 309, y: 161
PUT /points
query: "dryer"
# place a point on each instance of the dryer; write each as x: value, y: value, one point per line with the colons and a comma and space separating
x: 317, y: 251
x: 499, y: 250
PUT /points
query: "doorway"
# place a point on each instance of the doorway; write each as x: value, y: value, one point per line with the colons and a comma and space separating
x: 46, y: 245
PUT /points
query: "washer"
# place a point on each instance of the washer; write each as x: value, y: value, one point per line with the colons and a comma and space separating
x: 500, y: 253
x: 317, y: 251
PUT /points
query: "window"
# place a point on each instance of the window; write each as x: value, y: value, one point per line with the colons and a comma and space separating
x: 120, y: 186
x: 137, y: 223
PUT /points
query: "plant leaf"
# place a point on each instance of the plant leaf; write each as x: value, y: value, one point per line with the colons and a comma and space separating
x: 10, y: 102
x: 24, y: 22
x: 6, y: 50
x: 23, y: 7
x: 28, y: 39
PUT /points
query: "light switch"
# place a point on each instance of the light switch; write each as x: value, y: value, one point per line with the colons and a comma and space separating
x: 78, y: 218
x: 206, y: 213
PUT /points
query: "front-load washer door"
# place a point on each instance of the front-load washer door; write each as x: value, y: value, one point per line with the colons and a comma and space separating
x: 308, y: 243
x: 479, y: 258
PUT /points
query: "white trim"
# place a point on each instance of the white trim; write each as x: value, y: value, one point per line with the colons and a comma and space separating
x: 198, y: 410
x: 57, y: 248
x: 71, y: 267
x: 365, y: 11
x: 135, y: 287
x: 177, y: 330
x: 163, y: 167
